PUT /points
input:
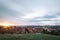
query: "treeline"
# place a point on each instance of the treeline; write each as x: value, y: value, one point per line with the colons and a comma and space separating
x: 19, y: 30
x: 23, y: 30
x: 11, y: 30
x: 51, y: 31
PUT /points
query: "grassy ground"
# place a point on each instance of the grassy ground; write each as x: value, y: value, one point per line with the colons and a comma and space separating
x: 28, y: 37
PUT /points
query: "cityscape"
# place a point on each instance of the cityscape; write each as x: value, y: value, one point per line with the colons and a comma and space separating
x: 48, y: 29
x: 29, y: 19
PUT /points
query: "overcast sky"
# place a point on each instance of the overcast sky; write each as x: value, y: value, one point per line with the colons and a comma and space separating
x: 30, y: 12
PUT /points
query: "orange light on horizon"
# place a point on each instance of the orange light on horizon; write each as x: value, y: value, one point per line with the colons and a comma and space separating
x: 5, y: 24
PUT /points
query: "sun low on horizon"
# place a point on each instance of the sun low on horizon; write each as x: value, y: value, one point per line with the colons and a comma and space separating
x: 6, y: 23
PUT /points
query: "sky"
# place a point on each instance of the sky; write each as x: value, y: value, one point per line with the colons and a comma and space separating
x: 30, y: 12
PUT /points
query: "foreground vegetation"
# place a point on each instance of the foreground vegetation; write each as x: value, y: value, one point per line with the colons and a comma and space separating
x: 28, y: 37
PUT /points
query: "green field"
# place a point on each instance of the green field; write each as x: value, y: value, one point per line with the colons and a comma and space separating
x: 28, y: 37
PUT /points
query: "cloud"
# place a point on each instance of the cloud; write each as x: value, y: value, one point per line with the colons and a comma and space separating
x: 38, y: 12
x: 30, y: 12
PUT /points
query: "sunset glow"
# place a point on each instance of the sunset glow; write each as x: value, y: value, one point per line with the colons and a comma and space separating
x: 5, y: 24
